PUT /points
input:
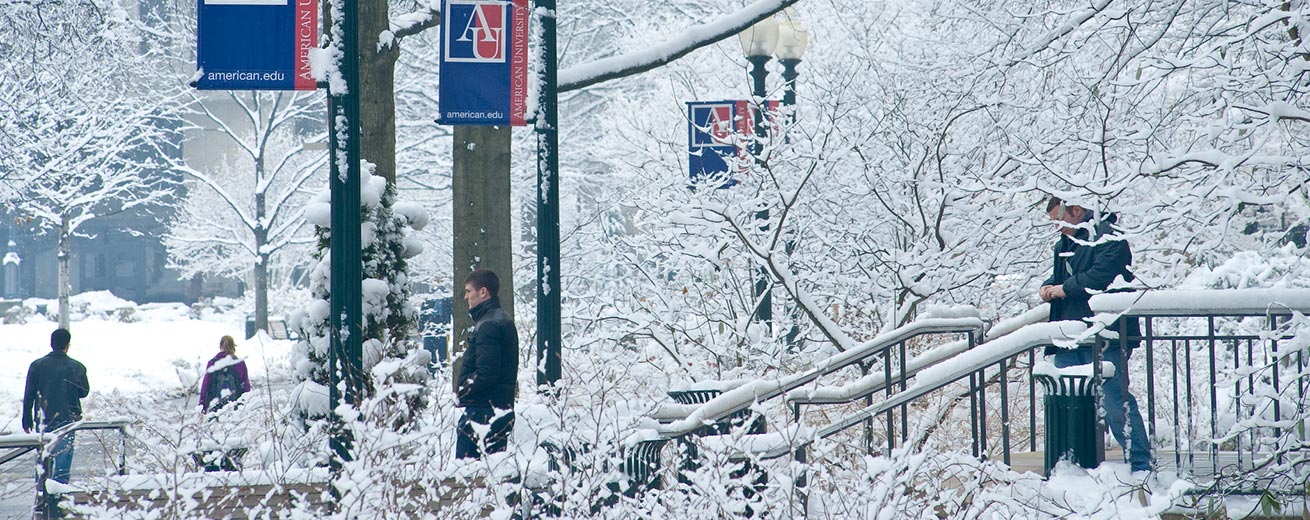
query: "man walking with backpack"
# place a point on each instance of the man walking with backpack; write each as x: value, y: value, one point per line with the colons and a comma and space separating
x: 52, y: 399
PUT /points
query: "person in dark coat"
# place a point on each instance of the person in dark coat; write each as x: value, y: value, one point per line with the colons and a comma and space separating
x: 488, y: 381
x: 1089, y: 256
x: 226, y: 378
x: 52, y: 399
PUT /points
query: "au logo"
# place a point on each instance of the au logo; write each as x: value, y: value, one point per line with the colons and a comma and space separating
x: 476, y: 31
x: 713, y: 125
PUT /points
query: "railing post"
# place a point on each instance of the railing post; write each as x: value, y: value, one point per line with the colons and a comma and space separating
x: 1173, y: 366
x: 1148, y: 343
x: 905, y: 416
x: 1005, y: 411
x: 1214, y: 397
x: 887, y: 388
x: 122, y: 451
x: 1273, y: 352
x: 1032, y: 402
x: 1187, y: 375
x: 982, y: 413
x: 973, y: 411
x: 802, y: 459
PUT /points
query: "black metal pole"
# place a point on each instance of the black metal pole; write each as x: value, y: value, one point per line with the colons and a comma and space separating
x: 548, y: 268
x: 764, y: 309
x: 345, y: 356
x: 789, y: 75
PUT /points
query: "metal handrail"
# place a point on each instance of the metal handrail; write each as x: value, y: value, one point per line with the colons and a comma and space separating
x: 1217, y: 360
x: 958, y: 368
x: 24, y: 443
x: 1153, y: 304
x: 1236, y: 302
x: 875, y: 382
x: 747, y: 395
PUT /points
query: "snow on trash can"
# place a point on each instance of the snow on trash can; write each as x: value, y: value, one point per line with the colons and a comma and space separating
x: 701, y: 393
x: 1071, y: 405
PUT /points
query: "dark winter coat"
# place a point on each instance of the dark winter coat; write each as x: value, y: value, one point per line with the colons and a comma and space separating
x: 239, y: 367
x: 56, y: 385
x: 491, y: 361
x: 1084, y: 270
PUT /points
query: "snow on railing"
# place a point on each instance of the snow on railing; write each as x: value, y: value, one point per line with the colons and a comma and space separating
x: 1228, y: 302
x: 25, y: 440
x: 951, y: 362
x: 748, y: 394
x: 875, y: 381
x: 947, y: 372
x: 1256, y: 302
x: 188, y: 482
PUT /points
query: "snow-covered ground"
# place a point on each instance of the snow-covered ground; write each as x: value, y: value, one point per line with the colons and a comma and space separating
x: 161, y: 348
x: 141, y: 360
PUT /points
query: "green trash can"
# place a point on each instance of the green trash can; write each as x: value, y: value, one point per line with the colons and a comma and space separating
x: 1072, y: 431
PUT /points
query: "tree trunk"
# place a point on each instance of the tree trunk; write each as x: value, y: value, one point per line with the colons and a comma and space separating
x: 65, y: 256
x: 261, y: 293
x: 481, y: 186
x: 377, y: 90
x: 261, y: 258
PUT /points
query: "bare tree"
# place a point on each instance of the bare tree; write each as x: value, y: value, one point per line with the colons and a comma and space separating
x: 85, y: 120
x: 243, y: 212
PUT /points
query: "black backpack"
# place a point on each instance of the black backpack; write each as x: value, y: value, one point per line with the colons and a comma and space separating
x: 224, y: 387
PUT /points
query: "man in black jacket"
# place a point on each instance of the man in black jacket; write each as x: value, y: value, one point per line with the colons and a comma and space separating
x: 488, y: 380
x: 1089, y: 257
x: 52, y: 399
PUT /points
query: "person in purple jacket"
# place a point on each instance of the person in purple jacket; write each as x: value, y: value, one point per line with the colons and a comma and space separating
x: 225, y: 377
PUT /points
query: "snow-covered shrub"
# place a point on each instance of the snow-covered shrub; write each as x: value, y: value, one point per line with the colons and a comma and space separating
x: 127, y: 315
x: 17, y: 315
x: 395, y: 364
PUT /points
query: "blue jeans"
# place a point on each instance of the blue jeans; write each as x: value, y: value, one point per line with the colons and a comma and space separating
x: 60, y: 456
x: 470, y: 443
x: 1116, y: 400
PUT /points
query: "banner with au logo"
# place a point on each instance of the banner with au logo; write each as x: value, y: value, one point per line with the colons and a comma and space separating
x: 718, y: 134
x: 484, y: 62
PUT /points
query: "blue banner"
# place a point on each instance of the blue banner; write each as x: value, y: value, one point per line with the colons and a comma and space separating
x: 484, y: 62
x: 718, y: 133
x: 255, y: 44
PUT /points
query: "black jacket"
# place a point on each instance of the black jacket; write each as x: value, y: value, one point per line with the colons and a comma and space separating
x: 1085, y: 270
x: 56, y: 385
x: 491, y: 362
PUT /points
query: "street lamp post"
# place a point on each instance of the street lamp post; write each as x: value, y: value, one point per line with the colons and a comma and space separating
x: 345, y: 352
x: 792, y: 42
x: 757, y: 43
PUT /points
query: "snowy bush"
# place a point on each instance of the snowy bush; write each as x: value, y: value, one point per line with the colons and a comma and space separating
x: 17, y: 315
x: 391, y: 358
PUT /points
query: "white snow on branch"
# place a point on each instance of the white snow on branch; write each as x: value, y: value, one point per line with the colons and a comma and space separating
x: 693, y: 38
x: 1277, y: 110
